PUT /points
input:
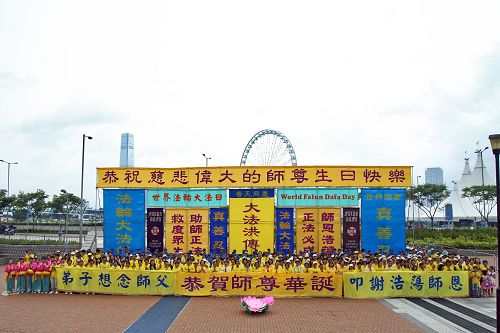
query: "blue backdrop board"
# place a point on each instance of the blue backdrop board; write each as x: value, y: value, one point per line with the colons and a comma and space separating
x: 124, y: 215
x: 285, y: 234
x: 218, y: 230
x: 383, y: 220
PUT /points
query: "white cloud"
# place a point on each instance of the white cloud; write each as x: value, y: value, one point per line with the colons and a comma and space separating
x: 389, y: 82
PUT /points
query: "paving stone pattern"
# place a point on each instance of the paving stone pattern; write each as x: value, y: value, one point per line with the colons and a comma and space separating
x: 213, y: 314
x: 71, y: 313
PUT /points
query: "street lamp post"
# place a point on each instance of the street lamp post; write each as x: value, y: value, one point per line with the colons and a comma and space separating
x: 66, y: 215
x: 495, y: 147
x: 418, y: 207
x: 8, y: 180
x: 206, y: 159
x: 480, y: 151
x: 81, y: 188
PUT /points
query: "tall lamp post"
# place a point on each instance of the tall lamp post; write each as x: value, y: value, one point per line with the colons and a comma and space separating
x: 480, y: 152
x: 206, y: 159
x: 81, y: 188
x: 418, y: 207
x: 66, y: 215
x: 8, y: 180
x: 8, y: 174
x: 495, y: 147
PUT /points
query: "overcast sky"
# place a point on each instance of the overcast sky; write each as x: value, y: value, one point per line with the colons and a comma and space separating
x: 348, y: 82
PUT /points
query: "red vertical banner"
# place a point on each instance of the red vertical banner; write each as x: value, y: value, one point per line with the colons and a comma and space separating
x: 351, y: 229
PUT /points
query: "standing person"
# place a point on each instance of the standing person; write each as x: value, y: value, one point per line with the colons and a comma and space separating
x: 53, y: 277
x: 45, y: 275
x: 476, y: 276
x: 30, y: 272
x: 21, y: 276
x: 37, y: 287
x: 10, y: 277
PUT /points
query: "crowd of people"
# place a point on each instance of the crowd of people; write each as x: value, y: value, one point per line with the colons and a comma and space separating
x: 34, y: 274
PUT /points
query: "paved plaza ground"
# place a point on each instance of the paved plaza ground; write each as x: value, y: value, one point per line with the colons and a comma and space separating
x: 104, y: 313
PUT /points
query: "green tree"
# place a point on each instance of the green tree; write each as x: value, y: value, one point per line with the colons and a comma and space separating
x: 66, y: 203
x: 428, y: 198
x: 20, y: 209
x: 5, y: 202
x: 482, y: 198
x: 30, y: 204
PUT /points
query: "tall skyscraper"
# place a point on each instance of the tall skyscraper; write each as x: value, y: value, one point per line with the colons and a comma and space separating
x: 434, y: 176
x: 127, y: 151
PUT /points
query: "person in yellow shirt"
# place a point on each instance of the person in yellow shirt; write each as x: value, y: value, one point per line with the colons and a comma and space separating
x: 484, y: 266
x: 298, y: 267
x: 314, y: 268
x: 91, y: 263
x: 29, y: 256
x: 237, y: 267
x: 104, y: 263
x: 267, y: 267
x: 359, y: 267
x: 369, y: 267
x: 226, y: 266
x: 448, y: 266
x: 198, y: 256
x: 177, y: 267
x: 256, y: 267
x: 204, y: 268
x: 380, y: 266
x: 341, y: 267
x: 247, y: 267
x: 286, y: 268
x: 85, y: 257
x: 475, y: 278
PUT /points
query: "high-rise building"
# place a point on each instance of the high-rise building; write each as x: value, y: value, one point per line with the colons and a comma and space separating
x: 127, y: 151
x: 434, y: 176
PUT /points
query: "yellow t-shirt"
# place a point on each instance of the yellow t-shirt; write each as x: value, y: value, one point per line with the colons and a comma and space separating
x: 476, y: 277
x: 104, y: 265
x: 238, y: 268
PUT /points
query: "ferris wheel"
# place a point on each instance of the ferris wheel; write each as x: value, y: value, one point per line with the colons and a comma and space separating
x: 269, y: 148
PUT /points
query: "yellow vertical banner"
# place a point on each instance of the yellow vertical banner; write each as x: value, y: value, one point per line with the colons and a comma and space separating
x: 197, y: 224
x: 251, y: 221
x: 176, y: 233
x: 307, y: 229
x: 329, y: 229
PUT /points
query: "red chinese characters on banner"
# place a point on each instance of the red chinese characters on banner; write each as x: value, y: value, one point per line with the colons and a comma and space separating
x: 186, y: 229
x: 318, y: 229
x: 251, y: 220
x: 329, y: 230
x: 307, y: 229
x: 198, y: 230
x: 175, y: 230
x: 287, y: 176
